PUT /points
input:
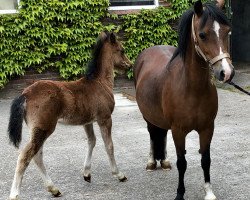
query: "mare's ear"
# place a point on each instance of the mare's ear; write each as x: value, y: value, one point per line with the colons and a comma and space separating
x: 198, y: 8
x: 112, y: 38
x: 103, y: 36
x: 220, y: 3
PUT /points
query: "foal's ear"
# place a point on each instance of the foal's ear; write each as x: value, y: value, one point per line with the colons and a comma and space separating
x: 198, y: 8
x: 112, y: 38
x: 103, y: 36
x: 220, y: 3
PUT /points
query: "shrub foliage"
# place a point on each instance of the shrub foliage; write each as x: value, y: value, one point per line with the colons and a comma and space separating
x: 59, y: 34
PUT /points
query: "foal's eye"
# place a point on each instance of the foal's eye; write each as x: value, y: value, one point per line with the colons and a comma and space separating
x: 202, y: 36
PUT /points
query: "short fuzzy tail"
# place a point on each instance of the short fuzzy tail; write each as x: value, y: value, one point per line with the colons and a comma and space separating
x: 16, y: 120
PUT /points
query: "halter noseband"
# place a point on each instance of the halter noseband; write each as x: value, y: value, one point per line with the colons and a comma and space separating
x: 200, y: 53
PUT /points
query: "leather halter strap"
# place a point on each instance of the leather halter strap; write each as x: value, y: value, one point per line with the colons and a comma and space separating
x: 200, y: 52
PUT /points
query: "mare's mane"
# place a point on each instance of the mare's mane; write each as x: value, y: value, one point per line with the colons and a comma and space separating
x: 93, y: 66
x: 184, y: 29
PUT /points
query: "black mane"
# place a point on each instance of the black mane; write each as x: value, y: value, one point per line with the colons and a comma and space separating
x: 93, y: 65
x: 184, y: 29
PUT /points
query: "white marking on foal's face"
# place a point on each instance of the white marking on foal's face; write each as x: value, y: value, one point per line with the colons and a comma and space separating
x: 225, y: 65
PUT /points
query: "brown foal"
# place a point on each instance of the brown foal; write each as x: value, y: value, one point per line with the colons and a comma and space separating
x: 80, y: 102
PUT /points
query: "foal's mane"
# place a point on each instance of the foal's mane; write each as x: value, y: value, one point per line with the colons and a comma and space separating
x: 184, y: 29
x: 93, y: 66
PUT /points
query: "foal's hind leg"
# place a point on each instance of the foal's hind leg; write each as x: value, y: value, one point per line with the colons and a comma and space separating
x: 91, y: 144
x: 158, y: 151
x: 37, y: 139
x: 38, y: 159
x: 205, y: 140
x: 105, y: 126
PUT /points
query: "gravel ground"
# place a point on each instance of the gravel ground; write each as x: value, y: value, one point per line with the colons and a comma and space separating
x: 65, y: 150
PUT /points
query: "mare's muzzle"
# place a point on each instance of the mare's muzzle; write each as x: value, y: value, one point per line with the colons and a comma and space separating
x: 223, y: 68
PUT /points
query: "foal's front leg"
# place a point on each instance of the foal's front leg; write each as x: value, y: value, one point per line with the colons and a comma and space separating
x: 91, y: 144
x: 105, y: 127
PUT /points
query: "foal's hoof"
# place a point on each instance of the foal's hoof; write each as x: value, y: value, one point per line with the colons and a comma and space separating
x: 58, y: 194
x: 165, y: 165
x: 124, y: 179
x: 87, y: 178
x: 151, y: 167
x: 54, y: 191
x: 179, y: 197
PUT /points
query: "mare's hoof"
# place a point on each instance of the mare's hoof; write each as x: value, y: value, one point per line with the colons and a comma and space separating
x: 87, y: 178
x: 124, y: 179
x: 14, y: 198
x: 179, y: 197
x: 165, y: 165
x: 151, y: 167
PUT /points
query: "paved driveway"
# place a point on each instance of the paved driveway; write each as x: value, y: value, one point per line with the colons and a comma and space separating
x: 64, y: 155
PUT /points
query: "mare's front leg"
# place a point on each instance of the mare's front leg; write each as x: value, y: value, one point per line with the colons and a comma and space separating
x: 91, y: 144
x: 105, y: 127
x: 179, y: 140
x: 158, y: 151
x: 205, y: 140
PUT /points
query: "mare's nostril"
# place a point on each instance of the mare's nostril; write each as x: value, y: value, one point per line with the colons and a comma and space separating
x: 222, y: 75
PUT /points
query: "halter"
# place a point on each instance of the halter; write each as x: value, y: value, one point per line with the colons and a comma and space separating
x: 200, y: 53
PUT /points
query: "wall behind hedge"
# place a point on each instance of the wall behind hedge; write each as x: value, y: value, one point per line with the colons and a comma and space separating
x: 59, y: 34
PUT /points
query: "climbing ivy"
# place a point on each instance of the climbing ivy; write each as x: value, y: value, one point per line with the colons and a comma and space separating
x: 59, y: 34
x: 56, y: 34
x: 152, y: 27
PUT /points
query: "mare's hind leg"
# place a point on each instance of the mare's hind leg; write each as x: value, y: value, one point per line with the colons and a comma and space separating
x: 158, y: 151
x: 36, y: 141
x: 105, y: 126
x: 205, y: 140
x: 91, y: 144
x: 38, y: 159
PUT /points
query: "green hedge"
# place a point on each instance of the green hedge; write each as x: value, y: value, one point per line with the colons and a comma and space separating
x: 59, y: 34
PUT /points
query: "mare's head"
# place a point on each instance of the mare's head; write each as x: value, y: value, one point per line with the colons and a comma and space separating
x: 107, y: 51
x: 210, y: 31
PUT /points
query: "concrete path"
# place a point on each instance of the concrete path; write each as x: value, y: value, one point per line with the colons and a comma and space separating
x: 65, y: 150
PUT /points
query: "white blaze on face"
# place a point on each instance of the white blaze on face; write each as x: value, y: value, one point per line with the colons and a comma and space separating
x: 225, y: 65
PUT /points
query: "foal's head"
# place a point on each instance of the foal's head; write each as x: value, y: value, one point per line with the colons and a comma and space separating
x: 210, y: 30
x: 116, y: 50
x: 108, y: 51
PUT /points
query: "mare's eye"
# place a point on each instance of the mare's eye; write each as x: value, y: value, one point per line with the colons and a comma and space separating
x: 122, y: 51
x: 202, y: 36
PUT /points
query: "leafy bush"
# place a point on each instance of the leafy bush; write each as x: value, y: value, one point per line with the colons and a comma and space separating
x: 152, y: 27
x: 50, y: 33
x: 59, y: 34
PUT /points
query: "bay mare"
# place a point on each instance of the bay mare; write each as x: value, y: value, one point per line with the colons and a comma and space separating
x: 80, y: 102
x: 174, y: 89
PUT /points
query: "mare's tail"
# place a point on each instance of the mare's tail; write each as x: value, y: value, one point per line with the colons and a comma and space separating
x: 16, y: 120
